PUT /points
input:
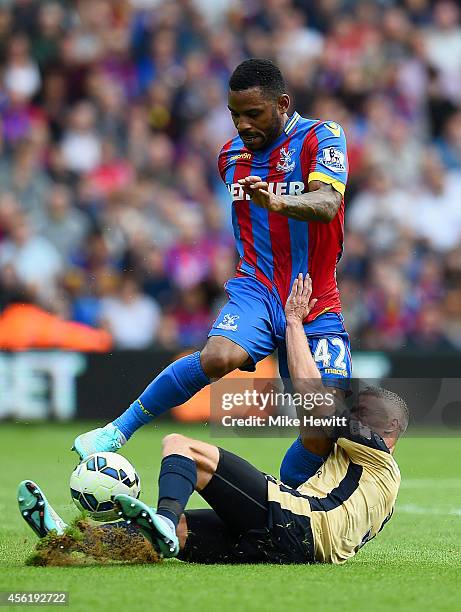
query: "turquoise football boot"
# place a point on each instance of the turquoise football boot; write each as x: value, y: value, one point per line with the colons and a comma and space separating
x: 108, y: 439
x: 152, y: 526
x: 36, y: 510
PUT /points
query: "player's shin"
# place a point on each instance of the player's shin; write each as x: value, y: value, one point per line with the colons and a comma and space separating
x: 176, y: 482
x: 173, y: 386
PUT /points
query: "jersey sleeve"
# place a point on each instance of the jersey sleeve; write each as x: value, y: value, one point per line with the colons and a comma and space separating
x: 223, y: 160
x: 221, y: 164
x: 328, y: 155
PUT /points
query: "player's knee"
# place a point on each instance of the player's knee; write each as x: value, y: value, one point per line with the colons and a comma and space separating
x: 174, y: 443
x: 217, y: 361
x: 220, y: 366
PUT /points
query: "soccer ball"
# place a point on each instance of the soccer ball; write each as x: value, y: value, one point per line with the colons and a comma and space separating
x: 95, y: 482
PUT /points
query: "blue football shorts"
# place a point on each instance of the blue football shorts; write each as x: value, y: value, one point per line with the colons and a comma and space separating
x: 254, y: 318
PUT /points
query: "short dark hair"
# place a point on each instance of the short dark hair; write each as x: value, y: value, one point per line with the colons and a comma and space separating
x: 257, y: 72
x: 399, y: 405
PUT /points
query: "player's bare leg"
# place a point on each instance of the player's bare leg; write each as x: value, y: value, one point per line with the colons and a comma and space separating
x: 221, y: 356
x: 172, y: 387
x: 181, y: 531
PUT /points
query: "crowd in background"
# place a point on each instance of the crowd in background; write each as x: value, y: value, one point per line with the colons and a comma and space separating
x: 112, y: 113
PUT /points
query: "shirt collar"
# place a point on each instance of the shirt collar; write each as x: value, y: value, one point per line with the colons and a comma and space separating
x: 292, y: 121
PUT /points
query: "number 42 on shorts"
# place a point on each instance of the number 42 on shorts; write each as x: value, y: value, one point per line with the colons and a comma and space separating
x: 332, y: 356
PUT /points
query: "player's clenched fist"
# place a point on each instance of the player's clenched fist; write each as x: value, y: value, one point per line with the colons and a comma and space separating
x: 299, y: 303
x: 258, y: 190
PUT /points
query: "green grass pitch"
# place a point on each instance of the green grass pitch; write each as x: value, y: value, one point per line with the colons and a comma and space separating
x: 414, y: 564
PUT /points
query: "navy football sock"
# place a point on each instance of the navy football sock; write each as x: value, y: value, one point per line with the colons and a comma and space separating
x: 176, y: 483
x: 173, y: 386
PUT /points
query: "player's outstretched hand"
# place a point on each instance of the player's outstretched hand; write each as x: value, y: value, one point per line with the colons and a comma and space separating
x: 299, y: 303
x: 258, y: 190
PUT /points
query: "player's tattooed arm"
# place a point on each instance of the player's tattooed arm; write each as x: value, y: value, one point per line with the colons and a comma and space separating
x: 321, y: 203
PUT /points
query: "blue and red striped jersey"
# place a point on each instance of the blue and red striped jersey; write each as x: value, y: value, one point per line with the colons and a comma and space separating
x: 275, y: 248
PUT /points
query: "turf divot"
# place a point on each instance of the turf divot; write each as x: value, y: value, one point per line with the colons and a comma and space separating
x: 86, y: 544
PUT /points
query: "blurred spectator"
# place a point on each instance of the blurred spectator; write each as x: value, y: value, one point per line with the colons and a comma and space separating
x: 9, y: 213
x: 295, y: 42
x: 23, y: 176
x: 168, y: 334
x: 88, y: 293
x: 452, y: 317
x: 157, y: 283
x: 36, y: 262
x: 380, y: 209
x: 430, y: 333
x: 390, y: 308
x: 449, y: 143
x: 398, y: 154
x: 46, y: 44
x: 188, y: 260
x: 63, y: 225
x: 81, y: 146
x: 131, y: 317
x: 21, y: 75
x: 192, y: 316
x: 438, y: 219
x: 443, y: 40
x: 11, y: 288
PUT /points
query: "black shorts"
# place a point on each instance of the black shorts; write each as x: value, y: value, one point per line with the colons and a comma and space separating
x: 243, y: 526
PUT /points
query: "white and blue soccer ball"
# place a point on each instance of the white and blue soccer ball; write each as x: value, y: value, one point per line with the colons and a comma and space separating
x: 97, y: 479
